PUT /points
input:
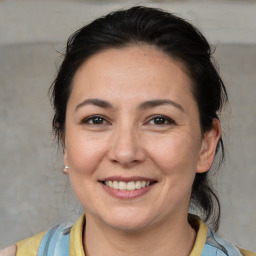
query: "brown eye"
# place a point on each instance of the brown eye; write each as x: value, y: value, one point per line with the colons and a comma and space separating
x: 161, y: 120
x: 94, y: 120
x: 97, y: 120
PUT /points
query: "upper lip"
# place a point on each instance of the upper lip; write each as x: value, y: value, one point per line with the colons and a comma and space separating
x: 127, y: 179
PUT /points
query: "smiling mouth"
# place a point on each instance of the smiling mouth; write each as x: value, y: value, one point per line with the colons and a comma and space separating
x: 131, y: 185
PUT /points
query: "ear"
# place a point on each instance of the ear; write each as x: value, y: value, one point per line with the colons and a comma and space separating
x: 208, y: 147
x: 65, y: 161
x: 65, y: 156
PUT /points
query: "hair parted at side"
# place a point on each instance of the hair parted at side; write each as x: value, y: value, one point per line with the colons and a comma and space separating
x: 177, y: 39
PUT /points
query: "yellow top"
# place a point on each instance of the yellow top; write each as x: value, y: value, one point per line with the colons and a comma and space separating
x: 76, y: 234
x: 200, y: 238
x: 29, y: 246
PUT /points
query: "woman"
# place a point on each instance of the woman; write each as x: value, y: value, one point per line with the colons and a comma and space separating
x: 136, y: 101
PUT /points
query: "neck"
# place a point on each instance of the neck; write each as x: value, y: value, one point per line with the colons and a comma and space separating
x: 167, y: 239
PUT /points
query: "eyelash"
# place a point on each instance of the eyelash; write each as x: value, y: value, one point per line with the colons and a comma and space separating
x: 93, y: 118
x: 167, y: 120
x: 101, y: 120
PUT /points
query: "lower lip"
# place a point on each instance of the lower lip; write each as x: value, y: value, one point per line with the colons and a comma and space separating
x: 127, y: 194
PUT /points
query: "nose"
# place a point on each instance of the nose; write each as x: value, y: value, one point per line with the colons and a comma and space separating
x: 126, y: 148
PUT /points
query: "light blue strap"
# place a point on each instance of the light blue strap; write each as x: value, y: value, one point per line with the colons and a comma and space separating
x: 55, y: 242
x: 216, y: 246
x: 231, y: 249
x: 210, y: 250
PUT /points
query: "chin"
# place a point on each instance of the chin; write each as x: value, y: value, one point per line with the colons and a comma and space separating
x: 130, y: 226
x: 128, y: 221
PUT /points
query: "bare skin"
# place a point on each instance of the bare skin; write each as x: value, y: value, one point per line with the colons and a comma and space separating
x: 162, y: 241
x: 9, y: 251
x: 131, y: 113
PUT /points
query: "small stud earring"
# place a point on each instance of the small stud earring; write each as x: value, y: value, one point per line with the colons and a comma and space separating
x: 65, y: 170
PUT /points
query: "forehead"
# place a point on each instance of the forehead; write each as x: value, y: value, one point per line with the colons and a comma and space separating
x: 133, y: 56
x: 133, y: 70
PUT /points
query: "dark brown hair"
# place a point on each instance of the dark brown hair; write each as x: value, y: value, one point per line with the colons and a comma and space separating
x: 175, y: 37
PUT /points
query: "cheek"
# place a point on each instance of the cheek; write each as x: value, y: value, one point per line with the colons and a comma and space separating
x: 175, y: 157
x: 84, y: 153
x: 177, y: 154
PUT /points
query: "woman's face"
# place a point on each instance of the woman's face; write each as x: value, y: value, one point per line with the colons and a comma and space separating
x: 132, y: 138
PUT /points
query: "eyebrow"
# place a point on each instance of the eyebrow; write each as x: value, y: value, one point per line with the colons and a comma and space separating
x: 95, y: 102
x: 143, y: 106
x: 156, y: 103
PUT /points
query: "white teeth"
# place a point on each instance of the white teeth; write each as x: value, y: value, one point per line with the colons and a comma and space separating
x: 122, y: 185
x: 131, y: 185
x: 115, y: 184
x: 138, y: 184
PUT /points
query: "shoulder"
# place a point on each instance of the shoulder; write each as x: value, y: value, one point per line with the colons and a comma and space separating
x: 245, y: 252
x: 57, y: 236
x: 224, y: 247
x: 29, y: 246
x: 9, y: 251
x: 45, y: 243
x: 26, y: 247
x: 209, y: 243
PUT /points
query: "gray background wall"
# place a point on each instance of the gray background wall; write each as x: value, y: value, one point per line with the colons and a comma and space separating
x: 33, y: 192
